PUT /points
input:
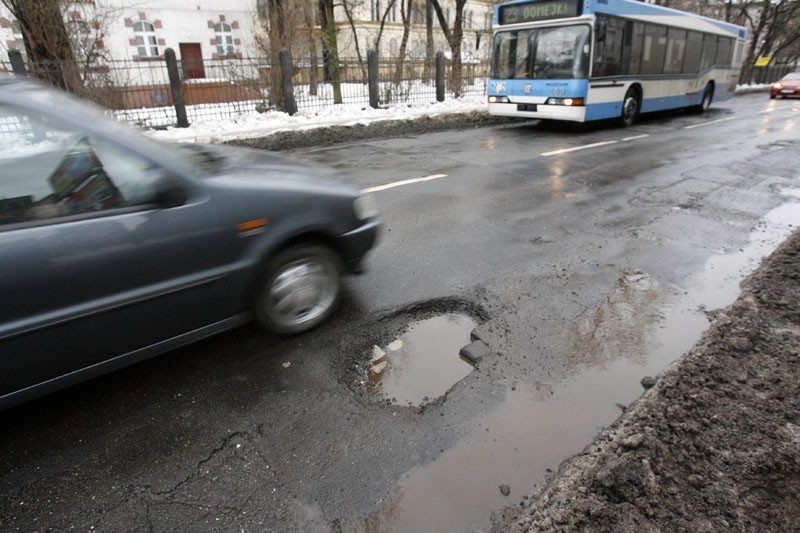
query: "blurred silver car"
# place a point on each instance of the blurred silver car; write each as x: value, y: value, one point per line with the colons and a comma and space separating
x: 114, y: 247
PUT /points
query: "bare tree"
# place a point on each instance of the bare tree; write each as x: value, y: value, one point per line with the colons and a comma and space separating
x: 454, y: 36
x: 430, y: 50
x: 349, y: 6
x: 47, y: 42
x: 774, y: 29
x: 283, y: 22
x: 405, y: 14
x: 390, y: 6
x: 773, y: 25
x: 331, y: 47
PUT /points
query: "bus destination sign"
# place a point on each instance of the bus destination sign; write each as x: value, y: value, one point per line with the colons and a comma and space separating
x: 544, y: 10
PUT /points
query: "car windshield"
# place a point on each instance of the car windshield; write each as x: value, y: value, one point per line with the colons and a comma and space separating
x: 548, y: 53
x: 792, y: 76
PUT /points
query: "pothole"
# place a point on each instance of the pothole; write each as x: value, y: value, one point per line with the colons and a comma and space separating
x: 415, y: 356
x: 422, y: 363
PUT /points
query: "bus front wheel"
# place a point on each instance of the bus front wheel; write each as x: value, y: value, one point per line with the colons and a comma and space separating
x: 630, y: 108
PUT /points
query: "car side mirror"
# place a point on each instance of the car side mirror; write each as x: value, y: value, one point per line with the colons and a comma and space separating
x: 169, y: 193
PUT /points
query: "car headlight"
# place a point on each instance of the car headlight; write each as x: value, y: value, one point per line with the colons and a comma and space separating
x: 365, y: 207
x: 777, y: 86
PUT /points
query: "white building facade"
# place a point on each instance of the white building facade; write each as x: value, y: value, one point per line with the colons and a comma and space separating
x: 370, y: 14
x: 228, y: 29
x: 142, y: 30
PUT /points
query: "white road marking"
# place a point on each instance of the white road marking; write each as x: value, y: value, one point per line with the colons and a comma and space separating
x: 627, y: 139
x: 401, y: 183
x: 708, y: 123
x: 575, y: 149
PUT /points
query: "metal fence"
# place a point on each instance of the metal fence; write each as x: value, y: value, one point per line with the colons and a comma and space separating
x: 229, y: 89
x: 760, y: 75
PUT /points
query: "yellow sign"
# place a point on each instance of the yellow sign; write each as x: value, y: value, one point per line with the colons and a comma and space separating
x: 763, y: 61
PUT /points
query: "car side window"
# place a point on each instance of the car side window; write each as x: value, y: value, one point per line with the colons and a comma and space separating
x: 49, y: 171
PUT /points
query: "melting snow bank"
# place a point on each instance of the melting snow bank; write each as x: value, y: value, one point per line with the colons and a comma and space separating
x: 714, y: 445
x: 267, y: 124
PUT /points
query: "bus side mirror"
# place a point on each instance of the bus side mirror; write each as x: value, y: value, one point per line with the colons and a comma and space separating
x: 602, y: 27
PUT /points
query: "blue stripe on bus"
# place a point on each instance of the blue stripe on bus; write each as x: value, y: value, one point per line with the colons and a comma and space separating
x: 542, y: 88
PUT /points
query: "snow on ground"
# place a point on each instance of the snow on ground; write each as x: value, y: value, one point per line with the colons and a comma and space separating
x: 262, y: 125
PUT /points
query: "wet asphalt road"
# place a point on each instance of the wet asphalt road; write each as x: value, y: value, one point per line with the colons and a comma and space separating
x: 591, y: 256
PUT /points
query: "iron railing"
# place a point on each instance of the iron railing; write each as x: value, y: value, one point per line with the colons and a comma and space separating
x: 140, y: 91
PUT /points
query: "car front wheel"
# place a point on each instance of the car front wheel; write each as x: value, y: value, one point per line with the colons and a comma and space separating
x: 299, y: 290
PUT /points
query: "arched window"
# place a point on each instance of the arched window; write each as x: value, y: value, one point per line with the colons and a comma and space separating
x: 146, y: 41
x: 224, y: 39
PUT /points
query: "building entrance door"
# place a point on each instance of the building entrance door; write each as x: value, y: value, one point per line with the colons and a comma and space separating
x: 192, y: 60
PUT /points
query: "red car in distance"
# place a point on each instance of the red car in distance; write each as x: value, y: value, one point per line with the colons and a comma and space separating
x: 789, y: 85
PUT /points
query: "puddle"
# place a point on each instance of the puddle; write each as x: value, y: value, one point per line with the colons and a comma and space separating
x: 423, y: 363
x: 521, y: 444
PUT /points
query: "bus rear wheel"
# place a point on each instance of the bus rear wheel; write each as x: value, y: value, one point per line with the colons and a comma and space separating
x: 708, y: 96
x: 630, y: 108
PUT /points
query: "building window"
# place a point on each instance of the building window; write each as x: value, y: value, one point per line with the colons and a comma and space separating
x: 224, y: 39
x: 146, y: 41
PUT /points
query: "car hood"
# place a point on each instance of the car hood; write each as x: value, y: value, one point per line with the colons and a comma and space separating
x: 220, y: 159
x: 248, y: 170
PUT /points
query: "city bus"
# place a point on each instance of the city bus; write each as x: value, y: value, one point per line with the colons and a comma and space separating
x: 584, y: 60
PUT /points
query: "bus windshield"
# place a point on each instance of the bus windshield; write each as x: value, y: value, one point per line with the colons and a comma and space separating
x: 545, y: 53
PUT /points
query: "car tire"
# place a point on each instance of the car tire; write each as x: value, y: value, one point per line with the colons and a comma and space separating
x: 299, y: 289
x: 631, y: 105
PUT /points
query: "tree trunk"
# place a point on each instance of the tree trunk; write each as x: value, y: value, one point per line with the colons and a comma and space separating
x: 313, y: 76
x: 349, y: 13
x: 405, y: 13
x: 47, y: 42
x: 277, y: 40
x: 430, y: 51
x: 330, y: 42
x: 455, y: 37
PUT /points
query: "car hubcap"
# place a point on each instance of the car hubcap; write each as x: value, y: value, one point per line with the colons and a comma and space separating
x: 302, y: 291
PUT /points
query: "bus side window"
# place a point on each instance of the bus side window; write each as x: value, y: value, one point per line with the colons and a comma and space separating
x: 655, y: 41
x: 709, y: 51
x: 608, y: 50
x: 724, y: 51
x: 637, y: 48
x: 676, y: 50
x: 694, y: 51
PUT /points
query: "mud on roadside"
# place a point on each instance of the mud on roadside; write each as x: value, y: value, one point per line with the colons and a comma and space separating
x: 713, y: 446
x: 292, y: 140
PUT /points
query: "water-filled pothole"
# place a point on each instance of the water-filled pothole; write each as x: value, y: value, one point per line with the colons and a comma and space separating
x: 423, y: 363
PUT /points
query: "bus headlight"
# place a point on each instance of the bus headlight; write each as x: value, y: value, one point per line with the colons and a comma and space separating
x: 565, y: 101
x: 498, y: 100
